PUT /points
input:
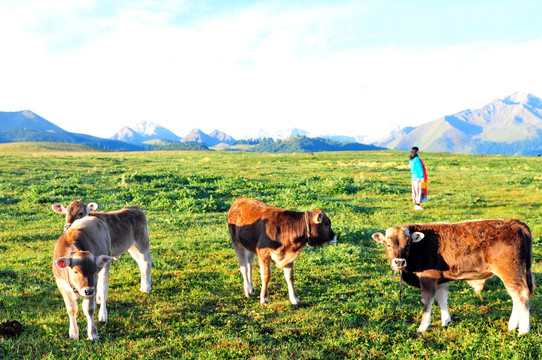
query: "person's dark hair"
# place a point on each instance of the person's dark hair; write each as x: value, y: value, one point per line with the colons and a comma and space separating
x: 413, y: 152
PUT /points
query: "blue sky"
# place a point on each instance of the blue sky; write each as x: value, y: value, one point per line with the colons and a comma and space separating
x: 328, y: 67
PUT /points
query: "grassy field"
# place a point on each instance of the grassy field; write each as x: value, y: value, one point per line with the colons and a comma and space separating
x: 197, y: 309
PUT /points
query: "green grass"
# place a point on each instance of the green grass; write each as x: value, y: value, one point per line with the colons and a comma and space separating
x: 197, y: 309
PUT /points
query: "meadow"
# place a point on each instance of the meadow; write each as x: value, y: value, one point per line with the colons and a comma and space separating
x: 197, y: 309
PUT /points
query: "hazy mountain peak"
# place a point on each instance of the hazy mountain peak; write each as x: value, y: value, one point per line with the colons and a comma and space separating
x: 28, y: 120
x: 518, y: 98
x: 29, y: 114
x: 277, y: 134
x: 222, y: 137
x: 148, y: 128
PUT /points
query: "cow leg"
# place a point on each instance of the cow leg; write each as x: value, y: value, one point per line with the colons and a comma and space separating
x: 245, y: 259
x: 71, y: 307
x: 519, y: 318
x: 101, y: 293
x: 442, y: 299
x: 265, y: 271
x: 429, y: 287
x: 289, y: 275
x: 249, y: 286
x: 89, y: 305
x: 143, y: 257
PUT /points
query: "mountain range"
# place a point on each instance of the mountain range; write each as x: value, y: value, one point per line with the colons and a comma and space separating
x: 25, y: 125
x: 509, y: 126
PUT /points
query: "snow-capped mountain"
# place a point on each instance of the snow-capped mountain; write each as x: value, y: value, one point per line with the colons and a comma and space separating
x: 145, y: 131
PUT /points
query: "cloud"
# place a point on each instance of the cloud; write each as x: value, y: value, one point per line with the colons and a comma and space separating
x: 326, y: 68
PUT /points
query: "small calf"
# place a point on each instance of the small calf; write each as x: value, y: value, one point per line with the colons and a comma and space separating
x: 81, y: 262
x: 128, y: 229
x: 430, y: 255
x: 274, y: 235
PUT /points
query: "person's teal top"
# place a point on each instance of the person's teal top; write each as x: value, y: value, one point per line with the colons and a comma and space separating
x: 416, y: 168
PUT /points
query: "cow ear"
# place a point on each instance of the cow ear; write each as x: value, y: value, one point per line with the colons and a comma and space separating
x: 63, y: 263
x: 417, y: 236
x: 91, y: 207
x: 103, y: 260
x: 59, y: 208
x: 379, y: 237
x: 319, y: 216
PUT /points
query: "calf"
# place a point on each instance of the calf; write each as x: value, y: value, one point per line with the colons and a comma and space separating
x: 81, y: 263
x: 128, y: 229
x: 274, y: 235
x: 430, y: 255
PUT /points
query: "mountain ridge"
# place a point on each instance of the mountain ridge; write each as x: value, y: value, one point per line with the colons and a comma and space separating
x: 509, y: 126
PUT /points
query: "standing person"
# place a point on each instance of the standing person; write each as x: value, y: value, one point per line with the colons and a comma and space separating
x: 419, y: 179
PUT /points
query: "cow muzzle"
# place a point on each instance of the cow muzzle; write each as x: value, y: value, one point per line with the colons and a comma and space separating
x: 332, y: 241
x: 67, y: 226
x: 88, y: 291
x: 398, y: 264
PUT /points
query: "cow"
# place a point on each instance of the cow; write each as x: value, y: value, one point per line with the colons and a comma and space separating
x: 128, y: 229
x: 430, y: 255
x: 81, y: 262
x: 274, y: 235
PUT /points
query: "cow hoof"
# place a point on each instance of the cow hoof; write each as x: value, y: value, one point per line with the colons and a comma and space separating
x: 421, y: 330
x: 296, y: 302
x: 145, y: 290
x: 264, y: 301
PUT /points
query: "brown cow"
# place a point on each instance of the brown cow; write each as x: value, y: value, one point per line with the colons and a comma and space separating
x: 81, y: 263
x: 430, y: 255
x: 128, y: 229
x: 276, y: 235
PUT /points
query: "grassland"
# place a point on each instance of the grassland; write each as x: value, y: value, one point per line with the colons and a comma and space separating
x: 196, y: 308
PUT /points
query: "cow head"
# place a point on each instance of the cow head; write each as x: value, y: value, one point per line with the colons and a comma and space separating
x: 83, y: 270
x: 397, y: 241
x: 319, y: 228
x: 76, y: 210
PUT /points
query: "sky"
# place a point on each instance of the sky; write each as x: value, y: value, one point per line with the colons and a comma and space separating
x: 338, y: 67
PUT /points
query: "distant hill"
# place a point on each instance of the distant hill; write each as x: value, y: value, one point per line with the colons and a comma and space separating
x: 304, y: 144
x: 198, y: 136
x: 26, y: 126
x: 42, y: 147
x: 509, y: 126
